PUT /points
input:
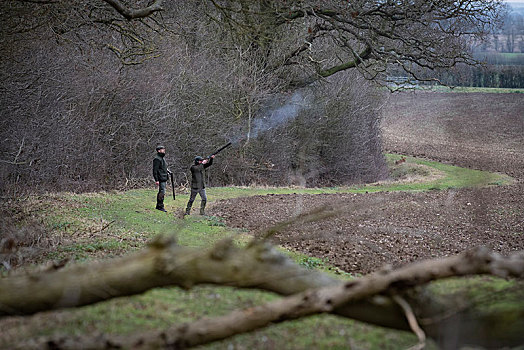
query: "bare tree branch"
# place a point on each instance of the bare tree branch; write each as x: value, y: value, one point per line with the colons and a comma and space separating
x: 422, y: 34
x: 314, y: 301
x: 258, y: 266
x: 130, y: 14
x: 412, y: 319
x: 162, y: 264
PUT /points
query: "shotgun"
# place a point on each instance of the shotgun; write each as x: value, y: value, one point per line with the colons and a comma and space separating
x: 220, y: 149
x: 172, y: 184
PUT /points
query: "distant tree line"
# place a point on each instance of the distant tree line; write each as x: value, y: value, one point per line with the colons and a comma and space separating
x: 499, y: 59
x: 489, y: 75
x: 502, y: 55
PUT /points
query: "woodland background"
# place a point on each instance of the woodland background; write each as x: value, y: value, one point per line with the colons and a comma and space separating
x: 87, y: 94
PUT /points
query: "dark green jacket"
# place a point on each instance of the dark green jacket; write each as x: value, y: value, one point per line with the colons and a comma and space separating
x: 198, y: 174
x: 160, y: 172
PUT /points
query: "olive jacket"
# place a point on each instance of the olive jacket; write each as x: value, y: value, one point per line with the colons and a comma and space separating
x: 160, y: 172
x: 198, y: 174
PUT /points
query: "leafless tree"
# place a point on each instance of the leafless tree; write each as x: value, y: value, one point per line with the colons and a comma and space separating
x: 332, y: 36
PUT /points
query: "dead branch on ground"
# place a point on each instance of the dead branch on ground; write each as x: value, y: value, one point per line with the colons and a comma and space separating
x: 259, y: 266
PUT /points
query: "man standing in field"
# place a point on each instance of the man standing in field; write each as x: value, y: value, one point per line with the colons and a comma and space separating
x: 198, y: 185
x: 160, y: 174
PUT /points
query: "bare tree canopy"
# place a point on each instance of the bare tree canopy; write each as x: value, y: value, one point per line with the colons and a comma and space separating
x: 310, y: 40
x: 332, y: 36
x: 322, y: 38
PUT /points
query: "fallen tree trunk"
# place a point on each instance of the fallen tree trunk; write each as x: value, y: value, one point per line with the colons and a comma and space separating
x: 258, y: 266
x: 163, y: 264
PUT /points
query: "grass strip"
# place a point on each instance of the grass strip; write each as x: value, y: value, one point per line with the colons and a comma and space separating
x: 100, y: 225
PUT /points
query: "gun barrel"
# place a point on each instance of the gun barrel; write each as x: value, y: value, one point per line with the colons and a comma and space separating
x: 222, y: 148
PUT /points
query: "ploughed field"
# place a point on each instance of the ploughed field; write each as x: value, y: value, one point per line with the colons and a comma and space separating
x: 369, y: 231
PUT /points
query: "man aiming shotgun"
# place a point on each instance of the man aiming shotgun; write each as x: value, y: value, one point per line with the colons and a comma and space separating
x: 198, y: 185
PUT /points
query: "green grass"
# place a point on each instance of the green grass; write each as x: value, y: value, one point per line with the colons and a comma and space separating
x: 101, y: 225
x: 461, y: 89
x: 453, y: 177
x: 440, y: 88
x: 487, y: 295
x: 512, y: 55
x: 133, y: 211
x: 163, y: 307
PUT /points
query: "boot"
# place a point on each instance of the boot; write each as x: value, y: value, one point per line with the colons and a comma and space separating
x: 160, y: 202
x: 188, y: 208
x: 202, y: 207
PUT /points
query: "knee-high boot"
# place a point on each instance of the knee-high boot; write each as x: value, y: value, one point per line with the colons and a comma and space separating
x: 188, y: 208
x: 202, y: 207
x: 160, y: 201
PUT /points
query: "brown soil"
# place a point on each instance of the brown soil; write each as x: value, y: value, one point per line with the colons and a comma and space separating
x: 369, y: 231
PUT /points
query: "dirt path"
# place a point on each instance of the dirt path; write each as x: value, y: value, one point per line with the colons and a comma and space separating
x: 481, y: 131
